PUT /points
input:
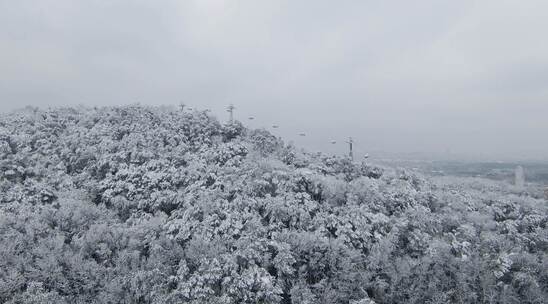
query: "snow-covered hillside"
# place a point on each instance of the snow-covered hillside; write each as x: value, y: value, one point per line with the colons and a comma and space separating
x: 142, y: 204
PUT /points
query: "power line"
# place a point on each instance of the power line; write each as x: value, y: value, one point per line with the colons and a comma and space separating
x: 230, y: 109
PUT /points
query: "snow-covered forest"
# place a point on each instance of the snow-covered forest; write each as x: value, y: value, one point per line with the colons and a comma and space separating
x: 140, y: 204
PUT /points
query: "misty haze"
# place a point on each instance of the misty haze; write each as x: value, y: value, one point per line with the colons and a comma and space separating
x: 217, y: 151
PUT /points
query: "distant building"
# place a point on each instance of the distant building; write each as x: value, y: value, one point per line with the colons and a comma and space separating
x: 519, y: 179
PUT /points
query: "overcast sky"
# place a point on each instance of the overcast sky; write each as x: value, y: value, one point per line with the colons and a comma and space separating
x: 466, y: 77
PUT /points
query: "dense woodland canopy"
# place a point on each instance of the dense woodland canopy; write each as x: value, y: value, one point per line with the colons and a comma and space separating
x: 142, y: 204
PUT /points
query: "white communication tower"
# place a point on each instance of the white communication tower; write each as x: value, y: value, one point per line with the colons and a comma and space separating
x: 519, y: 177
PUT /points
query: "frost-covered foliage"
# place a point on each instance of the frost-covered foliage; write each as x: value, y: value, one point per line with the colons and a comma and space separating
x: 155, y: 205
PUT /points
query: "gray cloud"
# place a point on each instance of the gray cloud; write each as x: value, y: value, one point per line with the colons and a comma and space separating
x: 466, y: 76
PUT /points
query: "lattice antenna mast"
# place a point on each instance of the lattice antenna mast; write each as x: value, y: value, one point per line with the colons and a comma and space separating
x: 230, y: 109
x: 350, y: 148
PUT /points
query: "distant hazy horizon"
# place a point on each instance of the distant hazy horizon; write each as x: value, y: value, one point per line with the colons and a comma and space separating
x: 446, y: 78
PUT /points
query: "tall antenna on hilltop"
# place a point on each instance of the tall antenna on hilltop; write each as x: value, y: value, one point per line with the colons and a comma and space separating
x: 350, y: 144
x: 230, y: 109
